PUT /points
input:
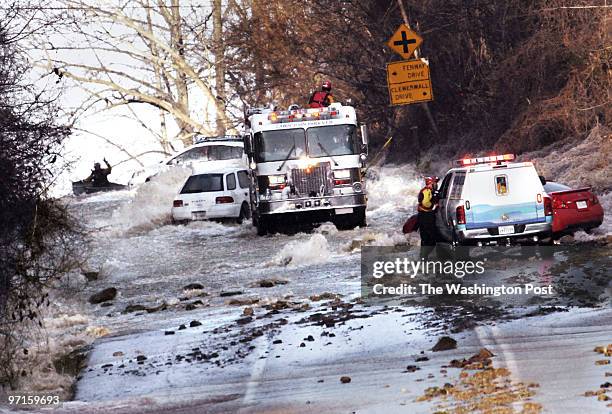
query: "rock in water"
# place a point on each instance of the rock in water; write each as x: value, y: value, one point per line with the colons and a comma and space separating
x: 345, y: 380
x: 193, y: 286
x: 103, y: 296
x: 444, y: 344
x: 230, y: 293
x: 134, y: 308
x: 268, y: 283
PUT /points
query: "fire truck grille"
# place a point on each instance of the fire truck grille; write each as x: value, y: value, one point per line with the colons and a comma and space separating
x: 312, y: 182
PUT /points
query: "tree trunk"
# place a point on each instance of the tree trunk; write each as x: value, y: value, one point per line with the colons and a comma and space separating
x: 219, y: 52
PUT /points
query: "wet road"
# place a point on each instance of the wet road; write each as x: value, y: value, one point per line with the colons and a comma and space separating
x: 206, y: 305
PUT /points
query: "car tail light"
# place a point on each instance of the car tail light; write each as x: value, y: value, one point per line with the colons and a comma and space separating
x: 594, y: 200
x: 224, y: 200
x: 548, y: 208
x: 342, y: 181
x: 177, y: 203
x: 557, y: 203
x: 460, y: 215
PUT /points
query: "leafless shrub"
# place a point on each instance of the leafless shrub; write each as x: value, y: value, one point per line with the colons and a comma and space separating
x: 37, y: 237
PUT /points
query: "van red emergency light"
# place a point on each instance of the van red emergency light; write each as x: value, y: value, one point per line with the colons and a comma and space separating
x: 485, y: 160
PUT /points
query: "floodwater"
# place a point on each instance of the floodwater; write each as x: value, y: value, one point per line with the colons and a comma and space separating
x: 209, y: 317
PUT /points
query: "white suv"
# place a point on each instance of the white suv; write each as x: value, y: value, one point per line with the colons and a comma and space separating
x: 491, y: 198
x: 219, y: 151
x: 213, y: 193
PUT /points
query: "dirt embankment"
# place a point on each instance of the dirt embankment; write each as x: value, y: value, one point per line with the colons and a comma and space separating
x: 578, y: 164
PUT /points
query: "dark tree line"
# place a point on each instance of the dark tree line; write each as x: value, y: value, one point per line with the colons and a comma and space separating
x: 514, y: 75
x: 35, y: 231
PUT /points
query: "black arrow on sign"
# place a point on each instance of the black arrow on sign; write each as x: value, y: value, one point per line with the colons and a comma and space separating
x: 404, y: 42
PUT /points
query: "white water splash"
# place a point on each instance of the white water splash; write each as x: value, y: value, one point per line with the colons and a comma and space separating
x: 312, y: 251
x: 152, y: 202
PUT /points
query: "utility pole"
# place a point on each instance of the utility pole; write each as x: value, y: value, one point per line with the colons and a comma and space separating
x: 423, y: 105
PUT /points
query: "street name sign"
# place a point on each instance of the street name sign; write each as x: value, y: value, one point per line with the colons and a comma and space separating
x: 409, y: 82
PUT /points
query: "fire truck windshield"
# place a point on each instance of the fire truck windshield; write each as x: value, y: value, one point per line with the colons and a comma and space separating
x: 291, y: 144
x: 279, y: 145
x: 332, y: 140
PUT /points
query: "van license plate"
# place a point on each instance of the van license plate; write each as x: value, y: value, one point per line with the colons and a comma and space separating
x: 198, y: 215
x: 505, y: 229
x: 581, y: 204
x: 344, y: 210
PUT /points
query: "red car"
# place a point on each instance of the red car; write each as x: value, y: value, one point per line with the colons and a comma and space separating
x: 573, y: 209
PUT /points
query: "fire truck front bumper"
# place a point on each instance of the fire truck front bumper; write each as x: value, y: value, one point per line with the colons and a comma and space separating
x: 340, y: 204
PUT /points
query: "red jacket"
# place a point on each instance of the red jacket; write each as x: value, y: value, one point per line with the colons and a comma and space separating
x: 320, y: 99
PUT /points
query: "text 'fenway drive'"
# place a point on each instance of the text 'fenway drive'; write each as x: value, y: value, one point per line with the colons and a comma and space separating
x: 409, y: 82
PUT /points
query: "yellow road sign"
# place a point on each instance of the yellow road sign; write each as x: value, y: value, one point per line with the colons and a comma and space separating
x: 409, y: 82
x: 404, y: 41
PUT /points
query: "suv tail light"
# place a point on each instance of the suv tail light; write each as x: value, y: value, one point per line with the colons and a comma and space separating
x: 548, y: 208
x: 224, y: 200
x: 460, y: 215
x: 177, y: 203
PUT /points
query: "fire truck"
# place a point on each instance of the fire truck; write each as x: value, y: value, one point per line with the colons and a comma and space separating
x: 306, y: 167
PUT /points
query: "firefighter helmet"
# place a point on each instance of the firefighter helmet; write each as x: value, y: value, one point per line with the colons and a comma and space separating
x: 431, y: 180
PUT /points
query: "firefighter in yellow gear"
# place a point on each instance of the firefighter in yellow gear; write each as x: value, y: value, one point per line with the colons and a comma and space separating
x: 426, y: 209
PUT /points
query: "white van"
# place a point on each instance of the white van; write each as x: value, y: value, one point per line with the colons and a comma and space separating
x: 493, y: 199
x: 213, y: 193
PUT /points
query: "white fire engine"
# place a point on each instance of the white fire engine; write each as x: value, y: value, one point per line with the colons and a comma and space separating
x: 306, y: 166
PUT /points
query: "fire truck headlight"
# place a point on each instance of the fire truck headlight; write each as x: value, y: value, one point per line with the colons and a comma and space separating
x: 276, y: 179
x: 338, y: 174
x: 305, y: 163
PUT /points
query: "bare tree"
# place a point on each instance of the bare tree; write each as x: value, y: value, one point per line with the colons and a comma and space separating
x: 219, y: 49
x: 157, y: 53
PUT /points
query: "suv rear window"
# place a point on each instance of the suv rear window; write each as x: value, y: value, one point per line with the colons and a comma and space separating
x: 458, y: 181
x: 203, y: 183
x: 231, y: 181
x: 243, y: 179
x: 444, y: 187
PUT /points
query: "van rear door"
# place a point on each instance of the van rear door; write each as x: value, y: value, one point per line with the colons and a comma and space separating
x: 504, y: 196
